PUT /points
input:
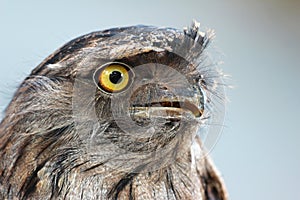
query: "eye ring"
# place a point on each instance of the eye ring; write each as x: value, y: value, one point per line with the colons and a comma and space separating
x: 113, y: 77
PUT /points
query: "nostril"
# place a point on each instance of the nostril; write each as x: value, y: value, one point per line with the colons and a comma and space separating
x: 162, y: 87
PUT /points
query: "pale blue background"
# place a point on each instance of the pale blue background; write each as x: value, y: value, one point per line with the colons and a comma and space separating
x: 259, y: 151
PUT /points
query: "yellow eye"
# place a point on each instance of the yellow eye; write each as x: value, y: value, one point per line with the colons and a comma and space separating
x: 113, y: 77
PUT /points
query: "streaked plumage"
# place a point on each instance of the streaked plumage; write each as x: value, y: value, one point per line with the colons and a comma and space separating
x: 64, y: 137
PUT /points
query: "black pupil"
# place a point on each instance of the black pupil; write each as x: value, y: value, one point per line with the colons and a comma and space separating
x: 116, y: 77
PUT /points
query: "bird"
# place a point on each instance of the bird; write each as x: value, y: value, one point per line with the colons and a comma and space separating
x: 115, y: 114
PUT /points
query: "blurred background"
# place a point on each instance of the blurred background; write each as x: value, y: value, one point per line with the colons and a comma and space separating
x: 259, y: 42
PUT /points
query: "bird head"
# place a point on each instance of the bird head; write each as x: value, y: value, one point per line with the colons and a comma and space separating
x: 114, y: 102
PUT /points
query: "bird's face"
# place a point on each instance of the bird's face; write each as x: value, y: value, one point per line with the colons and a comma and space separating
x: 147, y: 102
